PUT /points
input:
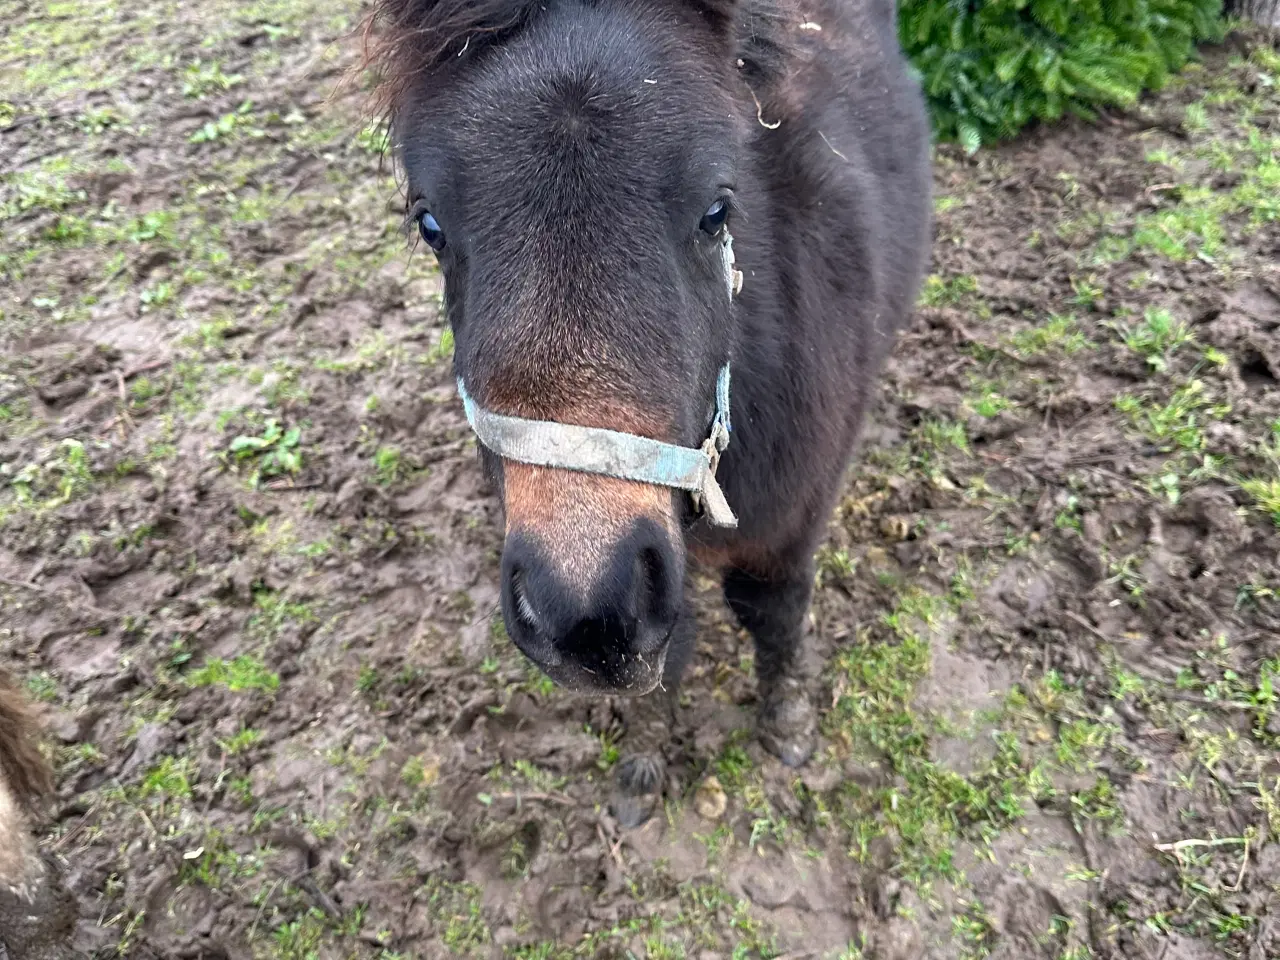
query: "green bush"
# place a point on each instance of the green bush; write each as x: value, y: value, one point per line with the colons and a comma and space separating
x: 989, y: 67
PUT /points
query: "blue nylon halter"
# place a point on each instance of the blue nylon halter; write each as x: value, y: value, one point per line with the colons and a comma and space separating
x: 626, y: 456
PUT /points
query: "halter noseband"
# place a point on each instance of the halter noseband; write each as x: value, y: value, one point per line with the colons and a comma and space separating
x: 626, y: 456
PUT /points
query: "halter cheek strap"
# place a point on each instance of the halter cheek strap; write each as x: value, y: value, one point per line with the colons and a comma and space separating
x: 626, y: 456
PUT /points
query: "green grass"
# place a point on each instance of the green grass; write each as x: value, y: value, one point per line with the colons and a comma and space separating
x: 443, y: 350
x: 229, y: 125
x: 300, y: 939
x: 456, y: 916
x: 1194, y: 227
x: 245, y: 672
x: 1177, y: 425
x: 940, y: 436
x: 733, y: 766
x: 170, y: 779
x: 975, y: 929
x: 367, y: 679
x: 1266, y: 496
x: 240, y: 742
x: 1080, y: 743
x: 1264, y: 491
x: 931, y: 807
x: 64, y: 475
x: 273, y: 452
x: 155, y: 225
x: 1202, y: 221
x: 45, y: 189
x: 987, y: 399
x: 373, y: 139
x: 1059, y: 334
x: 834, y: 564
x: 273, y: 611
x: 418, y: 772
x: 201, y: 78
x: 388, y: 465
x: 1156, y: 337
x: 213, y: 863
x: 42, y: 686
x: 947, y: 291
x: 1087, y: 292
x: 1068, y: 518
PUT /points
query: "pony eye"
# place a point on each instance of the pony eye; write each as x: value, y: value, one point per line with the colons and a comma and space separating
x: 713, y: 220
x: 430, y: 230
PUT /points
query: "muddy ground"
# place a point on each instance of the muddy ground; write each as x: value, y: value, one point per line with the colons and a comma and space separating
x: 248, y: 563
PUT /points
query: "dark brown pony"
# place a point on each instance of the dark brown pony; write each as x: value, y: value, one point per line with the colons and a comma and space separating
x: 37, y: 914
x: 575, y: 165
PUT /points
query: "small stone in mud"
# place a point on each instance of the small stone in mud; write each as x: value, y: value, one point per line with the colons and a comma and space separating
x: 895, y: 528
x: 710, y: 801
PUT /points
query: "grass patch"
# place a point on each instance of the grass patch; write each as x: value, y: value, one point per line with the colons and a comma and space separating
x: 170, y: 779
x: 42, y: 686
x: 62, y: 476
x: 240, y: 742
x: 245, y: 672
x: 1177, y: 425
x: 455, y: 914
x: 1156, y: 337
x: 388, y: 465
x: 228, y: 125
x: 443, y: 350
x: 1265, y: 491
x: 929, y: 807
x: 300, y: 939
x: 1265, y: 495
x: 939, y: 291
x: 1059, y: 334
x: 271, y: 453
x: 987, y: 400
x: 200, y: 79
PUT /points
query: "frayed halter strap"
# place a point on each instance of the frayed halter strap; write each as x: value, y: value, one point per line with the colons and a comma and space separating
x: 545, y: 443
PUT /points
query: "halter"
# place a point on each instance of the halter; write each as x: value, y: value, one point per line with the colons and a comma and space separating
x: 626, y: 456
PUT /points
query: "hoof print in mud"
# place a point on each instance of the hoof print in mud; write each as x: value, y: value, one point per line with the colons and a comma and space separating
x: 637, y: 789
x: 788, y: 724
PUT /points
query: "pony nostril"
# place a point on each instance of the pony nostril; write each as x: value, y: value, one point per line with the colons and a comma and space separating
x: 650, y: 602
x: 524, y: 609
x: 649, y: 586
x: 641, y: 590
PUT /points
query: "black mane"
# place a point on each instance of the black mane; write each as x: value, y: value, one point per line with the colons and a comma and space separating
x: 409, y: 39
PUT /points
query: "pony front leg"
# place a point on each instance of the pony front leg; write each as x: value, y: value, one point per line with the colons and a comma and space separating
x: 773, y: 609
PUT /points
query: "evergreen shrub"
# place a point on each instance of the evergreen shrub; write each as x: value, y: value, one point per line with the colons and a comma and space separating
x: 989, y: 67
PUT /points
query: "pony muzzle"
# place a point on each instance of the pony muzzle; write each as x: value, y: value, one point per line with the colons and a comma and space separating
x: 592, y: 577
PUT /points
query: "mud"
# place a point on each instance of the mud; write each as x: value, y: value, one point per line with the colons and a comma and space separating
x: 287, y: 721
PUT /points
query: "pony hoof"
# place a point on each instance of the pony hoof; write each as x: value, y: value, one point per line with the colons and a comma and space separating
x: 788, y: 727
x: 637, y: 788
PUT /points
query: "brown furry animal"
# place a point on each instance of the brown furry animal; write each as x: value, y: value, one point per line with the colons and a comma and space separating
x: 579, y: 168
x: 37, y: 913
